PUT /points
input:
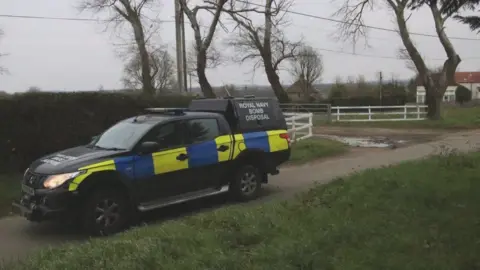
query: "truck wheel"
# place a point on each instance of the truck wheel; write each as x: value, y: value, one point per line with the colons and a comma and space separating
x: 106, y: 212
x: 246, y: 183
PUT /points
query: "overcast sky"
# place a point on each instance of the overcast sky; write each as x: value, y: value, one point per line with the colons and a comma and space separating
x: 78, y: 55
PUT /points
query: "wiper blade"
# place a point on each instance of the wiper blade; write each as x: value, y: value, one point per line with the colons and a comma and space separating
x: 110, y: 148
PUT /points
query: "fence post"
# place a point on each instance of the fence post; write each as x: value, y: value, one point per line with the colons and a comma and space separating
x: 310, y: 123
x: 369, y: 113
x: 338, y: 113
x: 329, y: 113
x: 418, y: 112
x: 405, y: 112
x: 293, y: 126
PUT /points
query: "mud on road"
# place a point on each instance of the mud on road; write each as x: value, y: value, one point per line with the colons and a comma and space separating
x: 408, y: 136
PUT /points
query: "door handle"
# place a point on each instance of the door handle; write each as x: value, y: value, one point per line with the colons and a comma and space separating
x: 223, y: 148
x: 182, y: 157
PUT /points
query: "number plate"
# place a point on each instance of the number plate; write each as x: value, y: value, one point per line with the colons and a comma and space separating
x: 28, y: 190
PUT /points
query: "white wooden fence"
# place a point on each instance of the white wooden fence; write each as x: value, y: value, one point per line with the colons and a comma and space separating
x: 379, y: 113
x: 299, y: 125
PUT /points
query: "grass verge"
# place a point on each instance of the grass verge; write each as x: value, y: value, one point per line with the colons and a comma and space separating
x: 315, y: 148
x: 416, y: 215
x: 453, y: 118
x: 9, y: 190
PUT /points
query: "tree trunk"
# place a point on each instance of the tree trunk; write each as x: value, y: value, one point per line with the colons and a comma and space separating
x: 144, y: 58
x: 202, y: 77
x: 434, y: 103
x: 274, y: 81
x: 435, y: 86
x: 266, y: 53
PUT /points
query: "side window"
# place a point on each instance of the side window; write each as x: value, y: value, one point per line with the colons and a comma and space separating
x: 201, y: 130
x: 166, y: 135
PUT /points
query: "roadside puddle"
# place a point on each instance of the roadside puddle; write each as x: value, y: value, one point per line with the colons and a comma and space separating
x: 372, y: 142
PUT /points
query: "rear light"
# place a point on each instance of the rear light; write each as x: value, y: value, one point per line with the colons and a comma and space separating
x: 286, y: 137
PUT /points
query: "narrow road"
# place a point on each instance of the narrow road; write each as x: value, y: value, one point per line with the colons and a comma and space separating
x: 20, y: 237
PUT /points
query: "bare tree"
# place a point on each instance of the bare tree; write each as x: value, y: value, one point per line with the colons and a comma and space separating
x: 162, y: 68
x: 265, y: 43
x: 129, y: 11
x: 202, y: 43
x: 361, y: 85
x: 435, y: 84
x: 214, y: 58
x: 403, y: 54
x: 307, y: 65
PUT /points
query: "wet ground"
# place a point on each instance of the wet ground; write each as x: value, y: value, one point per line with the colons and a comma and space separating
x: 378, y: 137
x: 370, y: 142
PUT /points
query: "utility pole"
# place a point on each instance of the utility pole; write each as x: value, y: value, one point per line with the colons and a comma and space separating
x: 190, y: 77
x: 181, y: 78
x: 184, y: 51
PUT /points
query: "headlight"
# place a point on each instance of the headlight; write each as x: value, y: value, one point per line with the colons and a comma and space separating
x: 54, y: 181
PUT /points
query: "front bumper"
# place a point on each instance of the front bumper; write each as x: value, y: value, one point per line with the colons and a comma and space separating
x: 44, y: 204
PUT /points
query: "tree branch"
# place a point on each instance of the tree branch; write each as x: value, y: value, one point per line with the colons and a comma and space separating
x: 353, y: 27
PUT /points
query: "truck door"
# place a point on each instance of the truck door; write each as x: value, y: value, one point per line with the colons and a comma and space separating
x: 208, y: 150
x: 163, y: 173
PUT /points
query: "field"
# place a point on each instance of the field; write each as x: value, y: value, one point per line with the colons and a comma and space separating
x: 453, y: 118
x: 416, y: 215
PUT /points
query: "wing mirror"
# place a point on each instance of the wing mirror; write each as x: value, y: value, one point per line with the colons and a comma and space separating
x: 148, y: 147
x: 93, y: 140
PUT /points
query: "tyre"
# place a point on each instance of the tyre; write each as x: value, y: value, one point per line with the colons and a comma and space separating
x: 246, y: 183
x: 106, y: 212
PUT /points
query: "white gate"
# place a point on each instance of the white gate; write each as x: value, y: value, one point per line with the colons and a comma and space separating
x: 299, y: 125
x: 379, y: 113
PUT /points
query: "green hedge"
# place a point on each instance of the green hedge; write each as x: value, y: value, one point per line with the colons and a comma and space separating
x: 35, y: 124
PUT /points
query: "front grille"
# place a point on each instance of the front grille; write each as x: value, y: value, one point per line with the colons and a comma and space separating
x: 34, y: 180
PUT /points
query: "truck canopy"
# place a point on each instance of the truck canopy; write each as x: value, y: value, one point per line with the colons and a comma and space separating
x: 244, y: 114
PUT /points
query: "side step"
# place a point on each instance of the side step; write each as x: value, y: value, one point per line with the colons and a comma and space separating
x: 182, y: 198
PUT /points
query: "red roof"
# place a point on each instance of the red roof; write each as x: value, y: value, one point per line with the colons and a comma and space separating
x: 467, y: 77
x: 462, y: 77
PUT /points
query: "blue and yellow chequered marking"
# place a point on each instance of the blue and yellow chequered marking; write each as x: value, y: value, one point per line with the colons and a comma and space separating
x: 108, y: 165
x: 141, y: 167
x: 227, y: 141
x: 165, y: 162
x: 201, y: 154
x: 267, y: 141
x: 275, y: 142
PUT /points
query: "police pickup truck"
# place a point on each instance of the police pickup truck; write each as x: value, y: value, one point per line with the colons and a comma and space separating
x: 160, y: 158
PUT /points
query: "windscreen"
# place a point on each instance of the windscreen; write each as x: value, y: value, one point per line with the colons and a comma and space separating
x: 123, y: 135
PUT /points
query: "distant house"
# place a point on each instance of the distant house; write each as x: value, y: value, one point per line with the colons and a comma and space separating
x: 470, y: 80
x: 301, y: 90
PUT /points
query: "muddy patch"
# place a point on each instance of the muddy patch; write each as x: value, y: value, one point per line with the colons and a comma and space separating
x: 368, y: 142
x: 377, y: 137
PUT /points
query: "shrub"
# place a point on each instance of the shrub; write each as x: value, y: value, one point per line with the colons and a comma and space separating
x: 462, y: 94
x: 38, y: 123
